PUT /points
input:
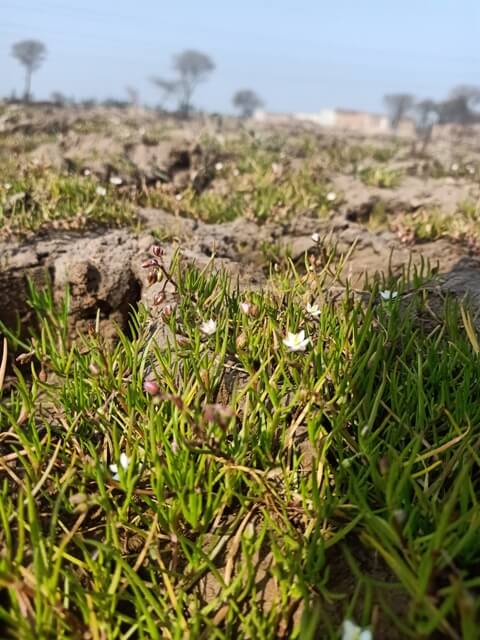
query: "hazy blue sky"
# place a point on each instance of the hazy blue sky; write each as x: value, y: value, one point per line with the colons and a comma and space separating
x: 298, y: 54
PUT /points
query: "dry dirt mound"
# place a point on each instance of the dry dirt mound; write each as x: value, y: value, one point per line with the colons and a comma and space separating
x: 103, y: 269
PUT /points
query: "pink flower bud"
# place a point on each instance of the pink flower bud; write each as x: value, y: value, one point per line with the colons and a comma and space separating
x: 151, y: 387
x: 94, y: 370
x: 158, y: 298
x: 151, y: 262
x: 167, y: 311
x: 152, y: 277
x: 157, y: 250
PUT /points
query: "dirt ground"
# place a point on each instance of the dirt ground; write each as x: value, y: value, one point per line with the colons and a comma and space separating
x: 102, y: 266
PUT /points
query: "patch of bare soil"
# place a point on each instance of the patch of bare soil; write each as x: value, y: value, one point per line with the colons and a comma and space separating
x: 103, y: 268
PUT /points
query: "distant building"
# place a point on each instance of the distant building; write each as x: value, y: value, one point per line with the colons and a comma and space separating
x: 341, y: 119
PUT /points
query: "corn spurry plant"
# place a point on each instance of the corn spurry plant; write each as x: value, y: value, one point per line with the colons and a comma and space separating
x: 261, y: 492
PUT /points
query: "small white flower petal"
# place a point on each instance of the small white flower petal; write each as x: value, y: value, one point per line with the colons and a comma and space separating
x: 313, y: 310
x: 331, y: 196
x: 116, y: 180
x: 209, y: 327
x: 316, y: 237
x: 388, y: 295
x: 351, y: 631
x: 296, y: 341
x: 124, y: 461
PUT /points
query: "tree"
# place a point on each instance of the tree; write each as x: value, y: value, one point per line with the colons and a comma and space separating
x: 133, y: 96
x: 459, y: 108
x: 193, y: 67
x: 30, y: 54
x: 426, y: 112
x: 398, y: 105
x: 469, y: 93
x: 58, y: 98
x: 247, y: 101
x: 168, y: 87
x: 426, y: 115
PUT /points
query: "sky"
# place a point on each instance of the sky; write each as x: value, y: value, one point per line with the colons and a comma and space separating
x: 298, y: 55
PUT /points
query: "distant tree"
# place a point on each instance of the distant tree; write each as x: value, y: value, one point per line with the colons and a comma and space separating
x: 88, y: 103
x: 469, y: 93
x: 30, y: 54
x: 459, y: 108
x: 398, y: 105
x: 58, y: 98
x: 116, y: 103
x: 193, y: 67
x: 168, y: 88
x: 247, y: 101
x: 426, y: 112
x: 133, y: 96
x: 426, y: 115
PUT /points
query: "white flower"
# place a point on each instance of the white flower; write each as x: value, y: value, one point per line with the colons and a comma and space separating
x: 351, y: 631
x: 296, y: 341
x: 388, y: 295
x: 218, y: 166
x: 7, y: 185
x: 331, y: 196
x: 313, y: 310
x: 470, y: 169
x: 178, y: 197
x: 454, y: 167
x: 209, y: 327
x: 124, y: 462
x: 245, y: 307
x: 101, y: 191
x: 87, y: 172
x: 116, y: 180
x: 316, y: 237
x: 276, y: 168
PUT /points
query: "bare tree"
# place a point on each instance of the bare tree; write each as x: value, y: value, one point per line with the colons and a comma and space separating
x: 426, y: 115
x: 30, y: 54
x: 193, y: 67
x: 58, y: 98
x: 133, y: 96
x: 459, y: 108
x: 398, y: 105
x: 247, y: 101
x: 469, y: 93
x: 168, y: 87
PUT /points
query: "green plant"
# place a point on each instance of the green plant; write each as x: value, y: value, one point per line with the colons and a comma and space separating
x: 381, y: 177
x: 341, y: 476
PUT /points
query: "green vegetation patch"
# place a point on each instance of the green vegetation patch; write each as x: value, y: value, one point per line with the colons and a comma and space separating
x: 382, y: 177
x: 289, y: 463
x: 36, y: 197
